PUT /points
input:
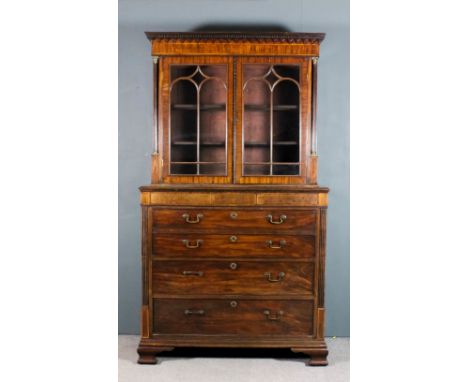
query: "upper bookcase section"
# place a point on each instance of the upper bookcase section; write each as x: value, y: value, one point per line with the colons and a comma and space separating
x: 235, y: 43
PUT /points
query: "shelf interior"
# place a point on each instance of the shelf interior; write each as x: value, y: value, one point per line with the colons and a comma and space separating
x: 271, y: 120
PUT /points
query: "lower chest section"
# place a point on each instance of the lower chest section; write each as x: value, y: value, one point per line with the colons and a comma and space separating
x: 233, y: 270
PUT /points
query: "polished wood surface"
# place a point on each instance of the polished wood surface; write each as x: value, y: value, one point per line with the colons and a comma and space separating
x: 237, y: 317
x: 194, y: 245
x: 242, y: 178
x: 233, y: 277
x: 236, y: 220
x: 234, y: 258
x: 164, y: 106
x: 232, y: 43
x: 270, y: 198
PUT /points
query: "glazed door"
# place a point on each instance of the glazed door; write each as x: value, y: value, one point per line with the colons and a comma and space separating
x: 196, y: 104
x: 272, y: 128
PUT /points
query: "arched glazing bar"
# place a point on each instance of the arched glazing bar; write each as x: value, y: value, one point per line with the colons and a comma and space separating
x: 288, y: 163
x: 182, y: 162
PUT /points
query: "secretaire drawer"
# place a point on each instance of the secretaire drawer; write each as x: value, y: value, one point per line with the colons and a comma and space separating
x: 201, y: 245
x: 226, y: 316
x: 235, y: 219
x: 233, y: 277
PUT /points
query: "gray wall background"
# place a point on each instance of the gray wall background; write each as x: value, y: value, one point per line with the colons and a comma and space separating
x: 135, y: 123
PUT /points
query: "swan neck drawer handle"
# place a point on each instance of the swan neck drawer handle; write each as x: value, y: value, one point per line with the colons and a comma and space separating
x: 273, y: 317
x: 282, y: 244
x: 188, y: 244
x: 279, y: 278
x: 189, y: 220
x: 281, y: 220
x: 192, y: 273
x: 200, y: 312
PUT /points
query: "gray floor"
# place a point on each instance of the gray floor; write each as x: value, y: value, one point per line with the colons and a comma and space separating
x: 221, y: 366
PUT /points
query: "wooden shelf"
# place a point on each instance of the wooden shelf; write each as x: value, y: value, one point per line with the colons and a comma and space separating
x: 272, y: 163
x: 207, y: 107
x: 267, y: 107
x: 194, y: 143
x: 267, y: 144
x: 195, y: 162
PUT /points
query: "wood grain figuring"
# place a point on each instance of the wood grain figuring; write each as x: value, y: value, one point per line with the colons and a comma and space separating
x: 313, y: 165
x: 155, y: 158
x: 323, y: 200
x: 145, y: 198
x: 241, y: 178
x: 321, y: 260
x: 164, y: 91
x: 235, y: 220
x: 144, y: 256
x: 145, y: 321
x: 219, y: 277
x: 222, y: 246
x: 232, y: 198
x: 234, y: 258
x: 232, y: 340
x: 286, y: 199
x: 155, y: 168
x: 149, y: 264
x: 189, y: 48
x: 180, y: 198
x: 239, y: 317
x: 320, y: 323
x: 193, y: 198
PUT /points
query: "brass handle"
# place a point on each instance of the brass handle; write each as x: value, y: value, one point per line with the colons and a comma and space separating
x: 200, y: 312
x: 188, y: 245
x: 281, y: 220
x: 192, y: 273
x: 233, y: 266
x: 233, y: 304
x: 273, y: 317
x: 233, y: 215
x: 282, y: 244
x: 188, y: 220
x: 233, y: 239
x: 279, y: 278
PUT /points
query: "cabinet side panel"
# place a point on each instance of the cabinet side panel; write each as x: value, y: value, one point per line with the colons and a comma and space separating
x: 321, y: 276
x: 145, y: 273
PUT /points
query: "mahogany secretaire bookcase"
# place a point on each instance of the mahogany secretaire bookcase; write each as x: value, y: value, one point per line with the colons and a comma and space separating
x: 233, y: 230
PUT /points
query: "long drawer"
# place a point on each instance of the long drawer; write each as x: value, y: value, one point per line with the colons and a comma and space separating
x: 228, y: 277
x: 201, y: 245
x: 224, y: 316
x: 235, y: 219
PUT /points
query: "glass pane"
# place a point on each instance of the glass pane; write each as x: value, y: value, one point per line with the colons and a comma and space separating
x: 198, y: 120
x: 271, y: 125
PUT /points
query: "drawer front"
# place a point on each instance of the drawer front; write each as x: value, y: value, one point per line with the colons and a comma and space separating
x: 236, y: 220
x: 224, y: 316
x: 229, y: 277
x: 200, y: 245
